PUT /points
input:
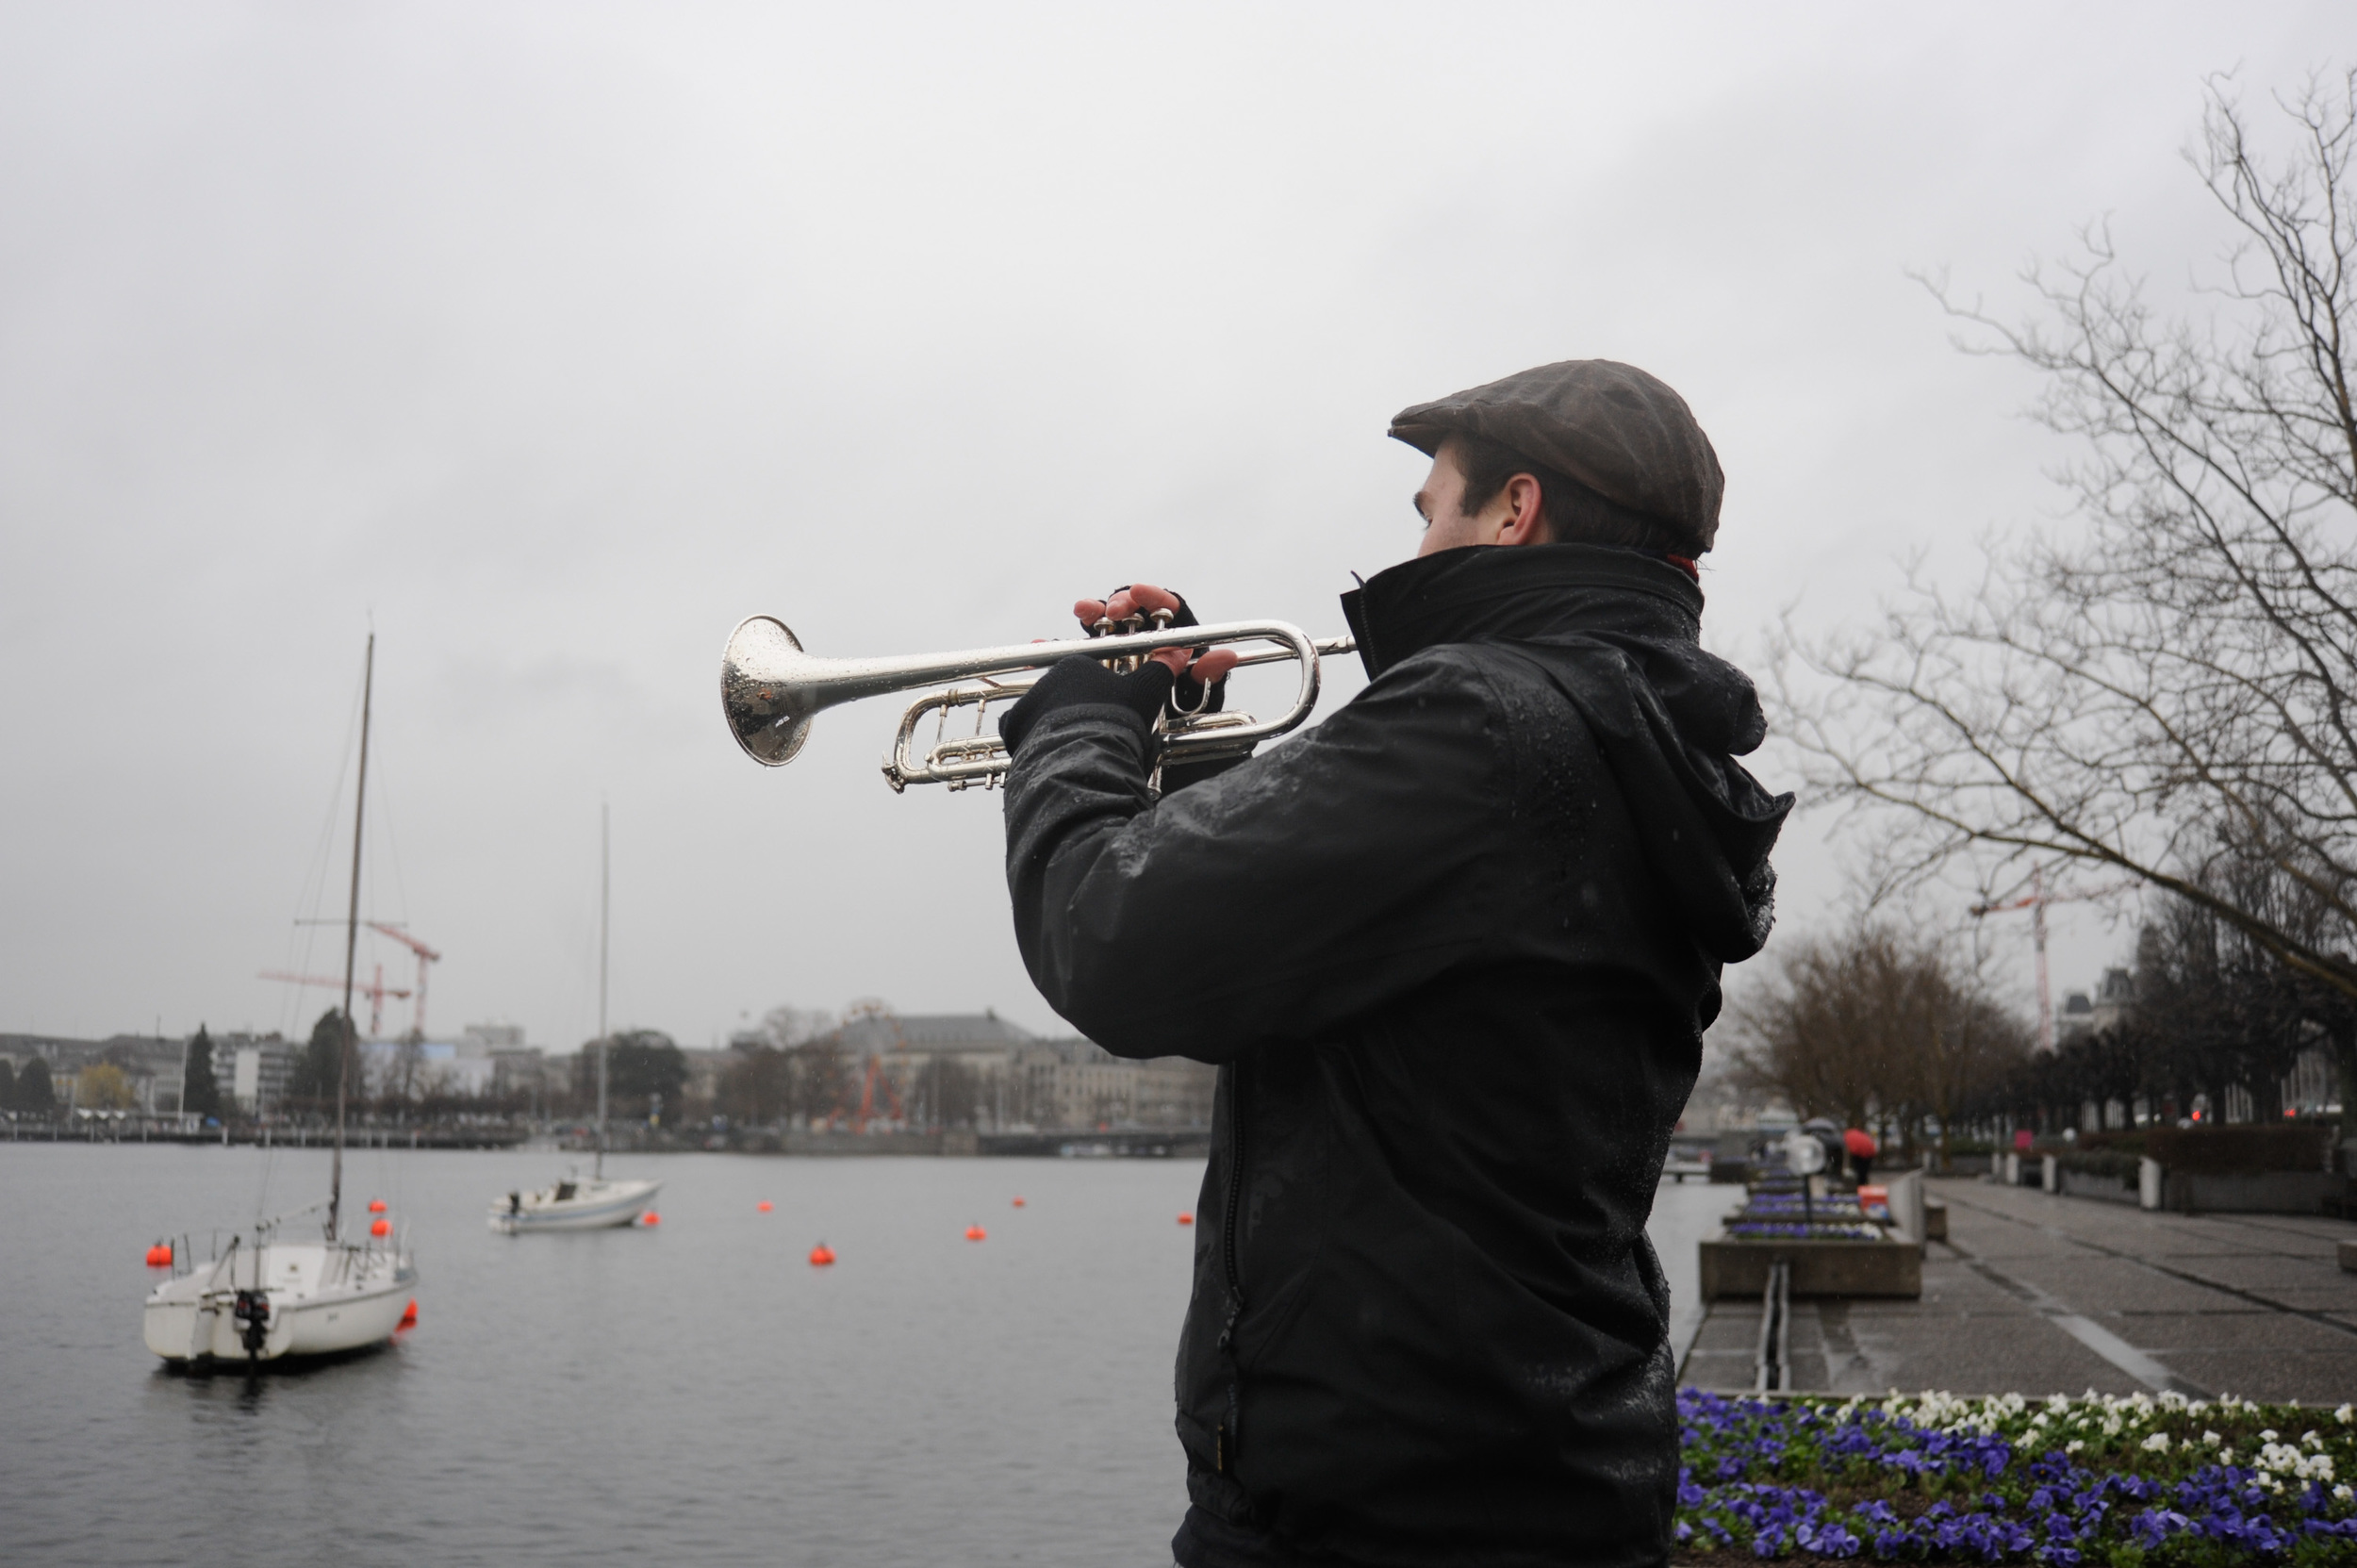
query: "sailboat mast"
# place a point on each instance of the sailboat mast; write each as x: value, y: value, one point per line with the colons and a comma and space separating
x: 351, y: 938
x: 605, y: 904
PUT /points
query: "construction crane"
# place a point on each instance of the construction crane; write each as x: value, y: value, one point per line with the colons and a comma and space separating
x: 2036, y: 902
x: 878, y: 1075
x: 377, y: 992
x: 425, y: 955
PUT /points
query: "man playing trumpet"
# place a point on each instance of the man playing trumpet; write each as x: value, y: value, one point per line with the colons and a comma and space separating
x: 1455, y: 949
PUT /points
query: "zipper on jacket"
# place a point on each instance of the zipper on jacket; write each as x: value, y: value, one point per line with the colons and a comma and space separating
x: 1228, y: 1253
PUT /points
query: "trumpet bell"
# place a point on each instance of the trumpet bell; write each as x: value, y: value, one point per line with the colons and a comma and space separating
x: 765, y: 691
x: 770, y: 689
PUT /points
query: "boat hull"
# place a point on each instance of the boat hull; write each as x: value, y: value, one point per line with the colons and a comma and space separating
x: 595, y: 1206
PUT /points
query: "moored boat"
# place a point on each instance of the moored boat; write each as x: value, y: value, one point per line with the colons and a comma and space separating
x: 596, y: 1203
x: 602, y: 1202
x: 262, y: 1299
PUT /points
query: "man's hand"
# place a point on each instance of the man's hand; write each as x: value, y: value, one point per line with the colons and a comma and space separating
x: 1175, y: 682
x: 1194, y: 670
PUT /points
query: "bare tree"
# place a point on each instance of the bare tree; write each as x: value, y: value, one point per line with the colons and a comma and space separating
x: 757, y: 1088
x: 2181, y: 674
x: 822, y: 1076
x: 789, y: 1027
x: 1873, y: 1024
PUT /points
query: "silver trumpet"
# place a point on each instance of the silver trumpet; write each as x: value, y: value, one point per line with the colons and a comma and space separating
x: 771, y: 691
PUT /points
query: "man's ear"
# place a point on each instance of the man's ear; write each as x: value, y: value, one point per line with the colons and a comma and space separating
x: 1526, y: 520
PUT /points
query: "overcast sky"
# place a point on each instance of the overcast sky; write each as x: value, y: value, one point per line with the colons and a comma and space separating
x: 550, y: 340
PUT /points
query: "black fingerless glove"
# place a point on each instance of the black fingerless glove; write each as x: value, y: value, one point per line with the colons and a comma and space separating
x: 1187, y: 693
x: 1080, y: 681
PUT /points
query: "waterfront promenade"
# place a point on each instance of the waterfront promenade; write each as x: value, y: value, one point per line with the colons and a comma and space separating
x: 2041, y: 1295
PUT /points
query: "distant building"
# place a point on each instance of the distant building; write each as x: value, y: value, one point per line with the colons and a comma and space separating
x: 257, y: 1069
x: 2115, y: 998
x: 1174, y: 1091
x: 485, y: 1059
x: 2081, y: 1015
x: 520, y: 1070
x: 1076, y: 1082
x: 1022, y: 1080
x: 983, y: 1041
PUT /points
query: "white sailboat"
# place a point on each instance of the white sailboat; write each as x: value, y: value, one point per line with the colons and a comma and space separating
x: 264, y: 1297
x: 598, y: 1202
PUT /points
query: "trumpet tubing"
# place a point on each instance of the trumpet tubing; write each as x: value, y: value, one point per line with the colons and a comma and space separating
x: 771, y: 689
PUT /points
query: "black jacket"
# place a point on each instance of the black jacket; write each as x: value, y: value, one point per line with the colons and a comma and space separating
x: 1455, y: 948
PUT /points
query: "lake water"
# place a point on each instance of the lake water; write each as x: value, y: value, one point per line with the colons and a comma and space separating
x: 690, y: 1393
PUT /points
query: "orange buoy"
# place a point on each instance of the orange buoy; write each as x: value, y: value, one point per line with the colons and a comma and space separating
x: 821, y: 1255
x: 160, y: 1256
x: 1185, y: 1218
x: 380, y: 1228
x: 975, y: 1233
x: 763, y: 1205
x: 376, y: 1206
x: 651, y: 1217
x: 409, y: 1314
x: 1018, y: 1203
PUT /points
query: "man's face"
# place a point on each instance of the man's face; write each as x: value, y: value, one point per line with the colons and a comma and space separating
x: 1446, y: 526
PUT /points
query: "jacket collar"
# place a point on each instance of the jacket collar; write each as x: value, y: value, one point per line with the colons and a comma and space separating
x: 1533, y: 593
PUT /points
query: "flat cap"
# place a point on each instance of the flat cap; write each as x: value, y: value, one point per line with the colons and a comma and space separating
x: 1620, y: 432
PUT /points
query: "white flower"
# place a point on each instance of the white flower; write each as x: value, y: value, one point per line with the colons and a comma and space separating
x: 2310, y: 1440
x: 2111, y: 1425
x: 2268, y: 1436
x: 2210, y: 1438
x: 2038, y: 1420
x: 2074, y: 1445
x: 2226, y: 1456
x: 2343, y: 1494
x: 2345, y: 1415
x: 2156, y: 1444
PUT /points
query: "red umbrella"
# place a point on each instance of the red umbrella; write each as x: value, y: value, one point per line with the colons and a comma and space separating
x: 1860, y: 1143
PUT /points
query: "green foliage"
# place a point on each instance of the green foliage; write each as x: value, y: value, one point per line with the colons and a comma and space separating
x: 641, y: 1063
x: 2242, y: 1150
x: 313, y: 1080
x: 201, y: 1097
x: 7, y: 1084
x: 2114, y: 1162
x: 34, y: 1095
x: 104, y: 1087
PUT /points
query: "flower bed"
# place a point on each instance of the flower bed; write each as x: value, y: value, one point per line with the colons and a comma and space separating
x: 1791, y: 1205
x: 1822, y: 1230
x: 2134, y: 1482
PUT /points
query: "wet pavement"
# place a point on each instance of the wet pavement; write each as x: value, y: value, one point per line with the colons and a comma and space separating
x: 2041, y: 1294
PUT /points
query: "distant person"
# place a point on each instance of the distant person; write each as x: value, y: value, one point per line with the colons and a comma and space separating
x: 1860, y: 1146
x: 1454, y: 948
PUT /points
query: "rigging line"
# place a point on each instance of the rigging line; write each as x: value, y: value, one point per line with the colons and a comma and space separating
x: 315, y: 879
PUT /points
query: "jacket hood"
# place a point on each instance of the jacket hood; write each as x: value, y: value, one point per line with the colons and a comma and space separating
x: 1618, y: 632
